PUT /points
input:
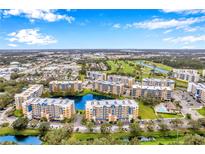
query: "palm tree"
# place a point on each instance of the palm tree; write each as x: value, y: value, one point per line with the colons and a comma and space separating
x: 90, y: 126
x: 120, y: 125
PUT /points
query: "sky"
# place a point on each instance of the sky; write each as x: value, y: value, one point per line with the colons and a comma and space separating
x: 97, y: 29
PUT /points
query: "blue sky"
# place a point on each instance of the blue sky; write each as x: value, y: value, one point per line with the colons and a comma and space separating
x: 69, y: 29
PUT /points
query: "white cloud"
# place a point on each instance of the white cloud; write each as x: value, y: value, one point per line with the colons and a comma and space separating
x: 186, y: 12
x: 31, y: 37
x: 12, y: 45
x: 117, y: 26
x: 165, y: 24
x: 186, y: 39
x: 32, y: 15
x: 167, y: 31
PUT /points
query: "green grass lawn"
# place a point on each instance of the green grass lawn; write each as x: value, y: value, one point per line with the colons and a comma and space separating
x: 201, y: 111
x: 11, y: 131
x: 146, y: 112
x: 166, y: 115
x: 125, y: 67
x: 181, y: 83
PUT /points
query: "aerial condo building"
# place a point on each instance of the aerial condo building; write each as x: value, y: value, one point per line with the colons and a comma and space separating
x: 64, y: 86
x: 111, y: 110
x: 49, y: 108
x: 31, y: 92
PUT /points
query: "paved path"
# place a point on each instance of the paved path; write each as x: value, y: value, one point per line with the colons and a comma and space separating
x: 4, y: 118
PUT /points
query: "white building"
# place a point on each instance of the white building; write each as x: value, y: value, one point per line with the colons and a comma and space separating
x: 95, y: 75
x: 33, y: 91
x: 189, y: 75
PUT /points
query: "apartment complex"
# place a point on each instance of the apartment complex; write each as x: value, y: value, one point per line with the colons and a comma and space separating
x: 158, y: 82
x: 127, y: 81
x: 111, y: 110
x: 50, y: 108
x: 108, y: 87
x: 95, y: 75
x: 197, y: 90
x: 63, y: 86
x: 186, y: 74
x: 164, y: 93
x: 33, y: 91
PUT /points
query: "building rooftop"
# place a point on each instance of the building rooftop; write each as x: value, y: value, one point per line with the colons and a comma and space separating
x: 95, y: 72
x: 158, y: 80
x: 30, y: 90
x: 120, y: 76
x: 49, y: 101
x: 65, y: 82
x: 151, y: 87
x: 109, y: 103
x: 109, y: 83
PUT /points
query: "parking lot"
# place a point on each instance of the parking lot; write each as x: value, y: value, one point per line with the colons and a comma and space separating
x: 188, y: 104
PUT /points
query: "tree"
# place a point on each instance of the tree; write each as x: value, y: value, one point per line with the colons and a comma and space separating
x: 58, y: 136
x: 188, y: 116
x: 150, y: 126
x: 120, y: 126
x: 20, y: 124
x: 202, y: 122
x: 135, y: 129
x: 90, y: 126
x: 43, y: 128
x: 33, y: 123
x: 194, y: 140
x: 105, y: 128
x: 176, y: 123
x: 134, y: 141
x: 194, y: 125
x: 163, y: 128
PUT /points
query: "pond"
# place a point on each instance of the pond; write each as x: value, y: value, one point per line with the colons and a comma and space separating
x: 81, y: 100
x: 157, y: 69
x: 23, y: 140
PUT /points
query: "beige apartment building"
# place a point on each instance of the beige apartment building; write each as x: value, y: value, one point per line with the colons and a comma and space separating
x: 63, y: 86
x: 189, y: 75
x: 158, y: 82
x: 95, y: 75
x: 31, y: 92
x: 50, y: 108
x: 163, y: 93
x: 127, y: 81
x: 108, y: 87
x: 111, y: 110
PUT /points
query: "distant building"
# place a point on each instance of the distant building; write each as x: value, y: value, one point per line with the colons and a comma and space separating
x: 31, y: 92
x: 197, y: 90
x: 163, y: 93
x: 189, y: 75
x: 111, y: 110
x: 95, y: 75
x: 127, y: 81
x: 63, y: 86
x: 50, y: 108
x: 108, y: 87
x: 158, y: 82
